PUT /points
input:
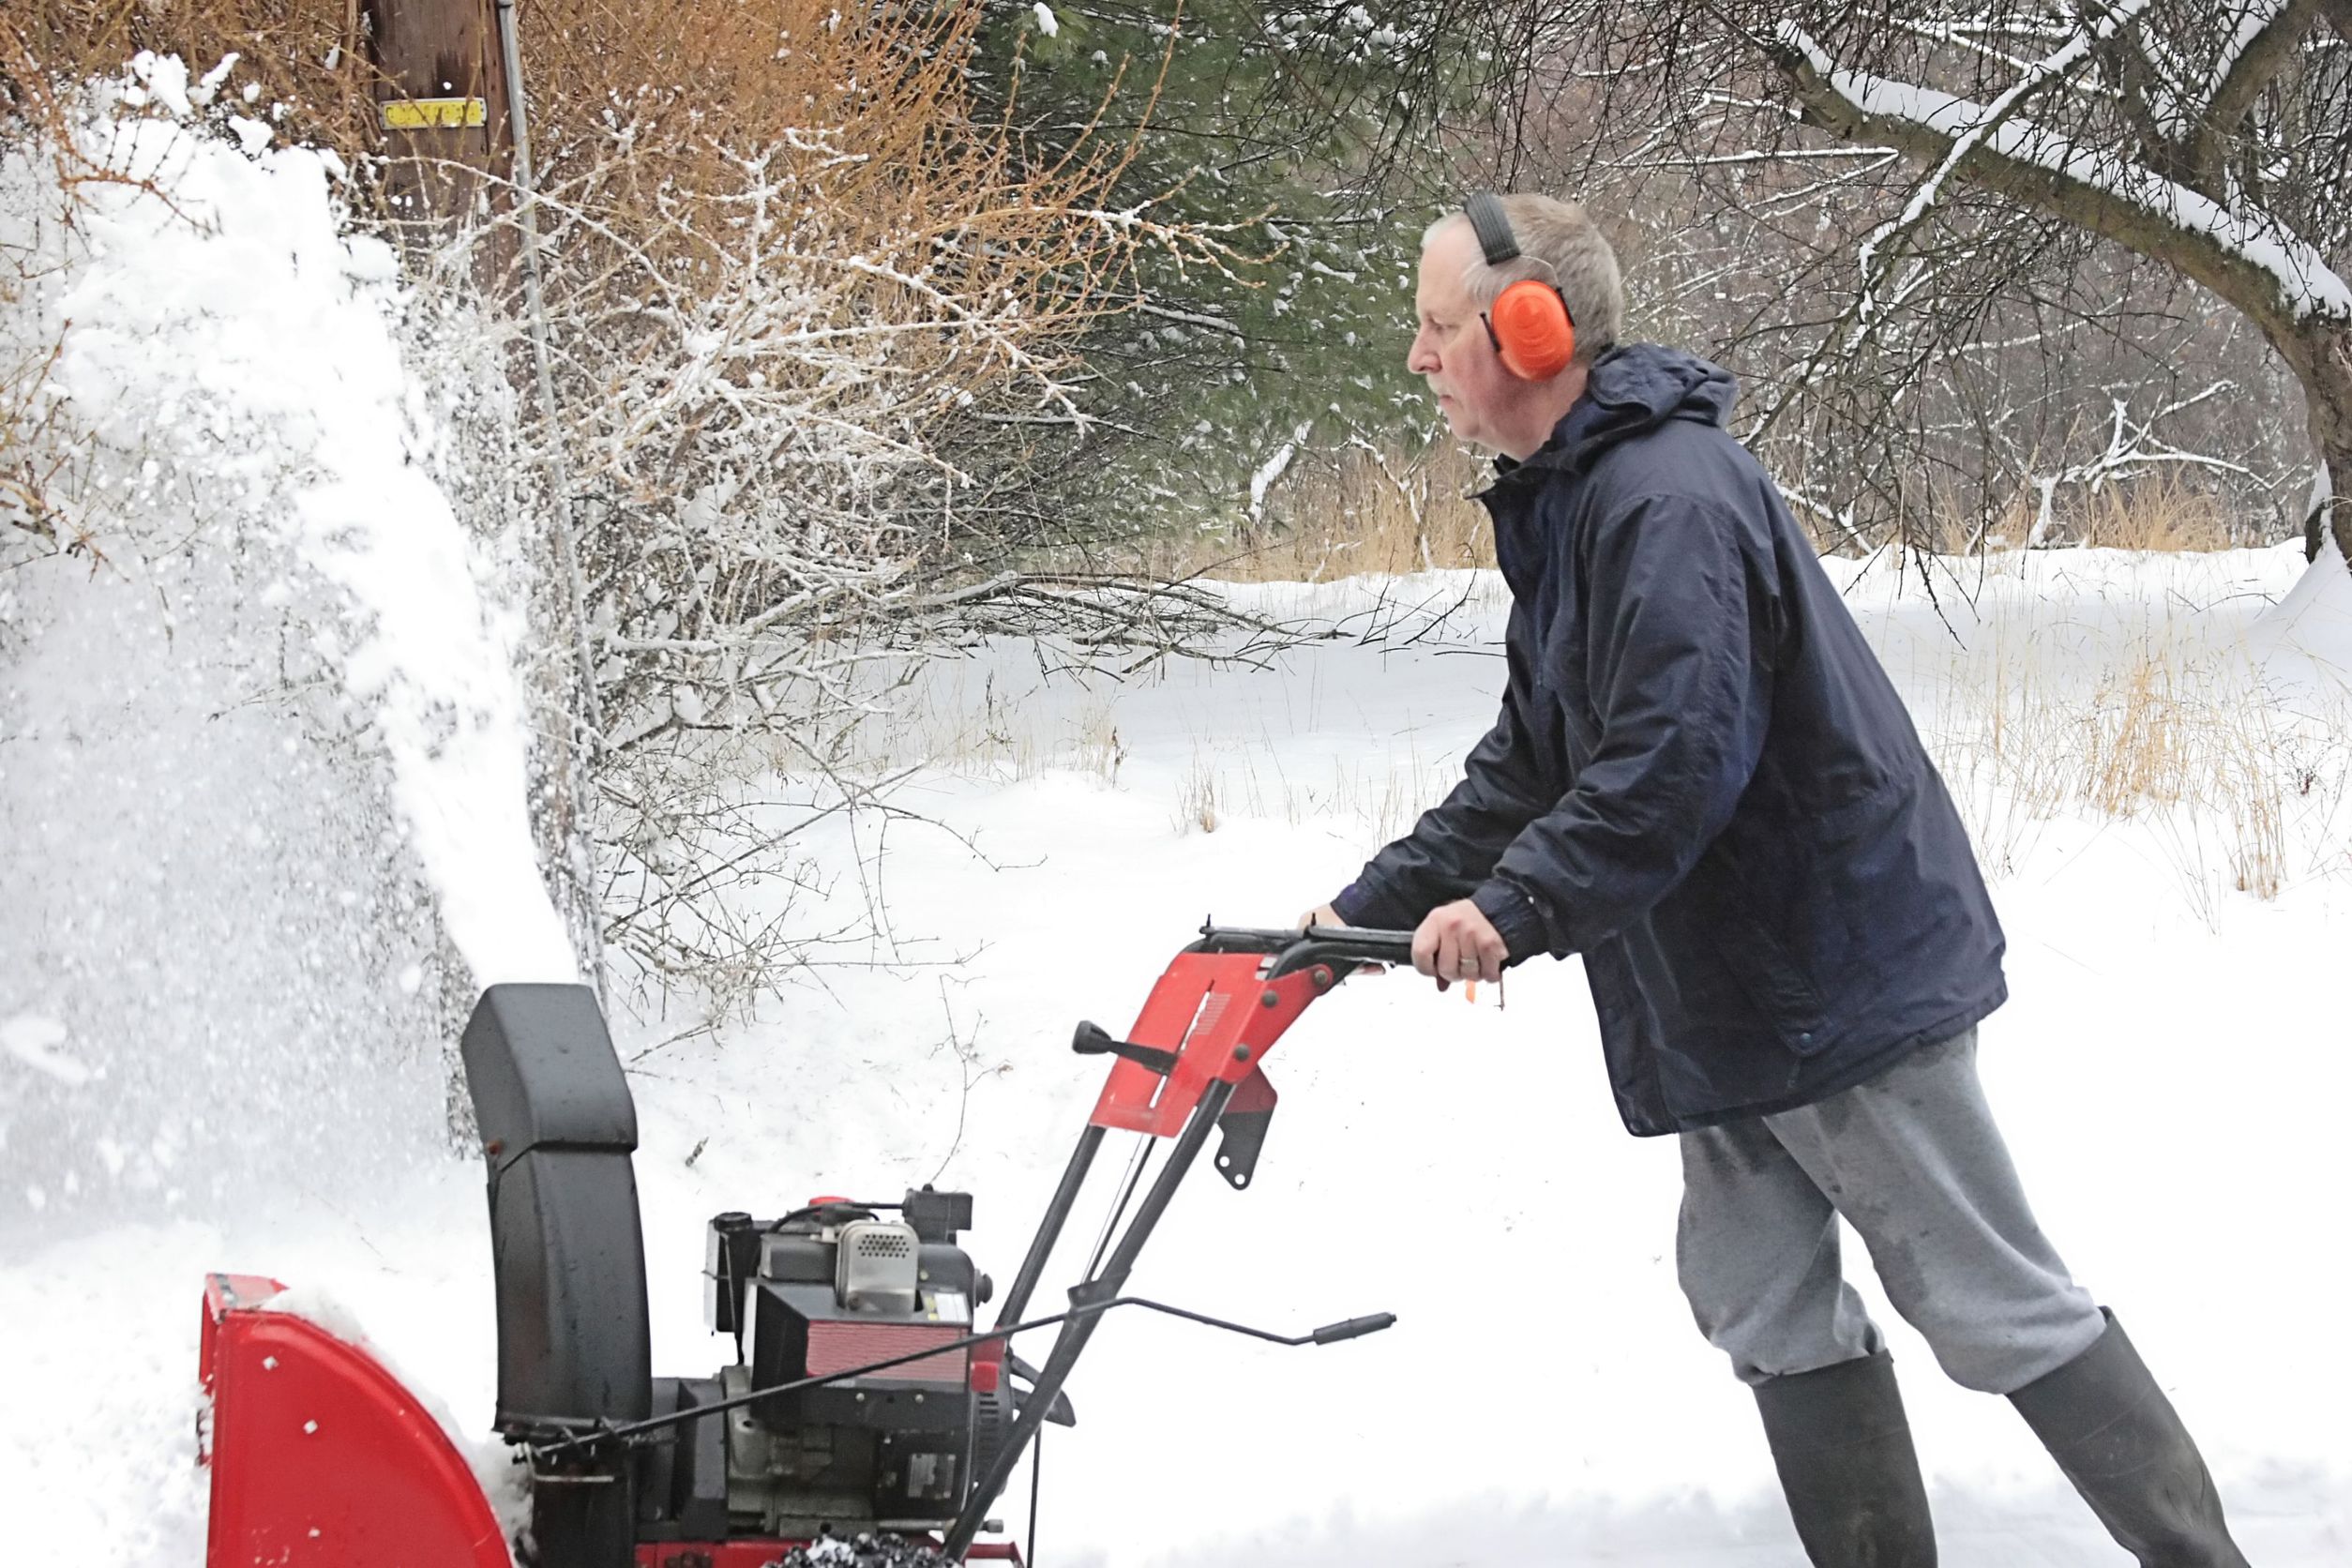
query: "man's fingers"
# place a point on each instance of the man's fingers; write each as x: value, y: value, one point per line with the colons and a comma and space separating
x: 1456, y: 959
x: 1426, y: 948
x: 1457, y: 943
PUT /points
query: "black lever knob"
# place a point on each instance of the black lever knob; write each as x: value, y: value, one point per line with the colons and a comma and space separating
x: 1092, y: 1039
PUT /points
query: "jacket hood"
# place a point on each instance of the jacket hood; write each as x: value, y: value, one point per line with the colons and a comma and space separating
x: 1630, y: 390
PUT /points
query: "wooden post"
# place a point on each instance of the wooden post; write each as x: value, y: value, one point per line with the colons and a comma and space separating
x: 440, y: 103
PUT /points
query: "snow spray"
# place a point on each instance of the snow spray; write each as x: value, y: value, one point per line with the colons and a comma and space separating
x: 262, y: 739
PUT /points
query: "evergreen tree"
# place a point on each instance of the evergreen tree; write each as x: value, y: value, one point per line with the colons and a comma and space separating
x: 1308, y: 130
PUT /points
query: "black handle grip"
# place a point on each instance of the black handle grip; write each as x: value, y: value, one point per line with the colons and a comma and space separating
x: 1382, y: 947
x: 1354, y: 1328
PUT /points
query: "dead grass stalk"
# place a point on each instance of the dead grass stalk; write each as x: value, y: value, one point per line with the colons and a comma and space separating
x: 1361, y: 510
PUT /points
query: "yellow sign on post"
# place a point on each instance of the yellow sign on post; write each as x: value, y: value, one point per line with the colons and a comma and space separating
x: 446, y: 113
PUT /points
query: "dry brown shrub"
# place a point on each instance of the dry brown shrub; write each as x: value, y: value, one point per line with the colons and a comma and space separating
x: 2159, y: 513
x: 300, y: 54
x: 1367, y: 511
x: 2138, y: 739
x: 29, y: 464
x: 2144, y: 721
x: 868, y: 105
x: 790, y: 268
x: 864, y: 110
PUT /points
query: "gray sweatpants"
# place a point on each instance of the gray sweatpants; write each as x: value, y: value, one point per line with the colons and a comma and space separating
x: 1914, y: 1162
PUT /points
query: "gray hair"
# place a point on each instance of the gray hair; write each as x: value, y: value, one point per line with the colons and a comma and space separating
x: 1561, y: 245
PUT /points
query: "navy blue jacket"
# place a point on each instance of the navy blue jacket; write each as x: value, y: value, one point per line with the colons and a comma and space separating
x: 1701, y: 779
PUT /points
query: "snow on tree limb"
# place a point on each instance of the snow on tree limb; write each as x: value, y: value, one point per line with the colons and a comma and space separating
x: 2250, y: 22
x: 2070, y: 54
x: 2180, y: 95
x: 2125, y: 200
x: 2265, y: 32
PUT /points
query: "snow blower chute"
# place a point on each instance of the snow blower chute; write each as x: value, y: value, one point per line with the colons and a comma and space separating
x: 866, y: 1420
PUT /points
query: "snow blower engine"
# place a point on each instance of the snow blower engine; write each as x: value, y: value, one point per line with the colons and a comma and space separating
x: 854, y: 1406
x: 863, y: 1405
x: 830, y: 1289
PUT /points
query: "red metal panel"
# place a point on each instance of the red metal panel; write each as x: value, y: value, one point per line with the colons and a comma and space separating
x: 1221, y: 1020
x: 320, y: 1458
x: 1252, y: 1095
x: 836, y: 1347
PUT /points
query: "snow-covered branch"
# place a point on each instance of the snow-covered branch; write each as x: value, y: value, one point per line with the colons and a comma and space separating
x: 2243, y: 258
x: 2262, y: 34
x: 1980, y: 126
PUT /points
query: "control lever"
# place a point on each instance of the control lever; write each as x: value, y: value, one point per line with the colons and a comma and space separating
x: 1092, y: 1039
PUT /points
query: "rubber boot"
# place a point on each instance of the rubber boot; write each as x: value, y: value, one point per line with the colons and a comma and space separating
x: 2120, y: 1442
x: 1844, y: 1452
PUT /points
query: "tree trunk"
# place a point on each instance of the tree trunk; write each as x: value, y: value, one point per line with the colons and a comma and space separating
x: 2320, y: 355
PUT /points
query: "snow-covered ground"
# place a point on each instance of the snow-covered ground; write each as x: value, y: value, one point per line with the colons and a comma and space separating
x: 2167, y: 1072
x: 2164, y: 1073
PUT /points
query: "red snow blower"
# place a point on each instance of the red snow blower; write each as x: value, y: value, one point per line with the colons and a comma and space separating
x: 866, y: 1420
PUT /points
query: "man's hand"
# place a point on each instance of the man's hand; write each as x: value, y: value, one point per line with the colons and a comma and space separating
x: 1325, y: 916
x: 1457, y: 943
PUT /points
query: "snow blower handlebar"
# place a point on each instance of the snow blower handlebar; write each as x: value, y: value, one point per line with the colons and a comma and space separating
x: 1294, y: 948
x: 1191, y: 1033
x: 1191, y: 1065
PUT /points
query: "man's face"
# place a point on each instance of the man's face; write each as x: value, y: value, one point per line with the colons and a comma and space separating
x: 1450, y: 351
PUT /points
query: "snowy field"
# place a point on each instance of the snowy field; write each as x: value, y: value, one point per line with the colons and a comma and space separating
x: 1543, y: 1397
x: 208, y: 1050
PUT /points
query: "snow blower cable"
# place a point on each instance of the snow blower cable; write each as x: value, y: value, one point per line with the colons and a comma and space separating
x: 1136, y: 1167
x: 629, y: 1432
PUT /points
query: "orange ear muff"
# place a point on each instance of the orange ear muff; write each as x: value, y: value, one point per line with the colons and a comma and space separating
x: 1530, y: 326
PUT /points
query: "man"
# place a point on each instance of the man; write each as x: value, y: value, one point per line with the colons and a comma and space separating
x: 1702, y: 781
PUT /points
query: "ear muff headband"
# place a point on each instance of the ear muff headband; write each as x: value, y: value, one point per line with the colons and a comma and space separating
x: 1529, y: 322
x: 1492, y: 226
